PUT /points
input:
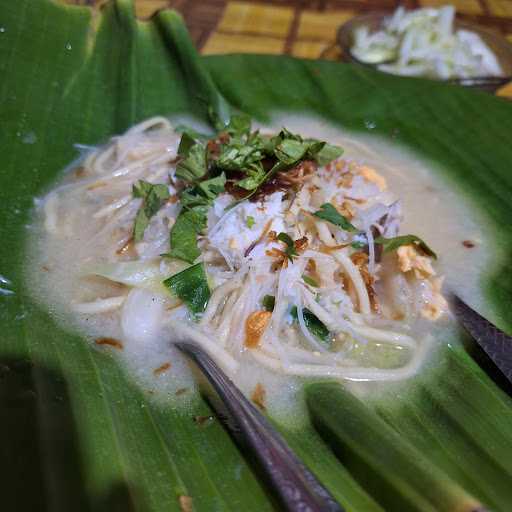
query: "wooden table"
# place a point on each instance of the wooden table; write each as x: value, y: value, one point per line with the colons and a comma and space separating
x: 302, y: 28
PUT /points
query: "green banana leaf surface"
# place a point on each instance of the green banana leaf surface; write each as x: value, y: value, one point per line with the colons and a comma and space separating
x: 76, y: 433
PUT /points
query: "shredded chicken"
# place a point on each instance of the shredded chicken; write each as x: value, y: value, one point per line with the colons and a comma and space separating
x: 373, y: 176
x: 347, y: 210
x: 346, y: 180
x: 410, y: 259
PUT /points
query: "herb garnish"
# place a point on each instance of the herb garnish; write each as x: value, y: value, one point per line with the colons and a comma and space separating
x: 240, y: 158
x: 184, y: 233
x: 392, y: 244
x: 358, y: 245
x: 290, y: 250
x: 255, y: 158
x: 330, y: 214
x: 195, y: 202
x: 193, y: 164
x: 213, y: 187
x: 153, y: 196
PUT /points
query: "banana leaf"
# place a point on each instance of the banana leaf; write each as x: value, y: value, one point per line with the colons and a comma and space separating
x: 76, y: 433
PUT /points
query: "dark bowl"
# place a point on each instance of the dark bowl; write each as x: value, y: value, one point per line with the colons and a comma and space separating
x: 501, y: 48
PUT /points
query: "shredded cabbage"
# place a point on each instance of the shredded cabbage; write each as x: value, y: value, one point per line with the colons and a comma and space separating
x: 148, y: 275
x: 423, y: 42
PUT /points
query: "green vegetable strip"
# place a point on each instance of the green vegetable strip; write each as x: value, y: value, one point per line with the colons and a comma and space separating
x: 310, y: 281
x: 268, y: 302
x: 314, y: 325
x: 191, y: 286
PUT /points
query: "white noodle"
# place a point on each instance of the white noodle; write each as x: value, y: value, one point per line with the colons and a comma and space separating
x: 217, y: 296
x: 357, y: 280
x: 395, y: 338
x: 99, y: 305
x: 324, y: 233
x: 115, y: 205
x: 187, y: 332
x: 225, y: 320
x: 347, y: 373
x: 150, y: 123
x: 371, y: 251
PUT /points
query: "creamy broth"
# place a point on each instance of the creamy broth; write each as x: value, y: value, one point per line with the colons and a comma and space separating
x: 433, y: 209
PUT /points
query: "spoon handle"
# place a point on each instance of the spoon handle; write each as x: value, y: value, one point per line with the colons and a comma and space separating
x: 297, y: 488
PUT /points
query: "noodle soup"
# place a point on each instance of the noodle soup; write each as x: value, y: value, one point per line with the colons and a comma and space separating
x: 282, y: 257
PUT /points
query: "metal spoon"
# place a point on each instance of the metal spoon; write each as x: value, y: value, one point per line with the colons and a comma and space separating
x: 297, y: 488
x: 495, y: 343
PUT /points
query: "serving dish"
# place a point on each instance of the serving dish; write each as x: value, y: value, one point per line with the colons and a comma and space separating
x: 497, y: 43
